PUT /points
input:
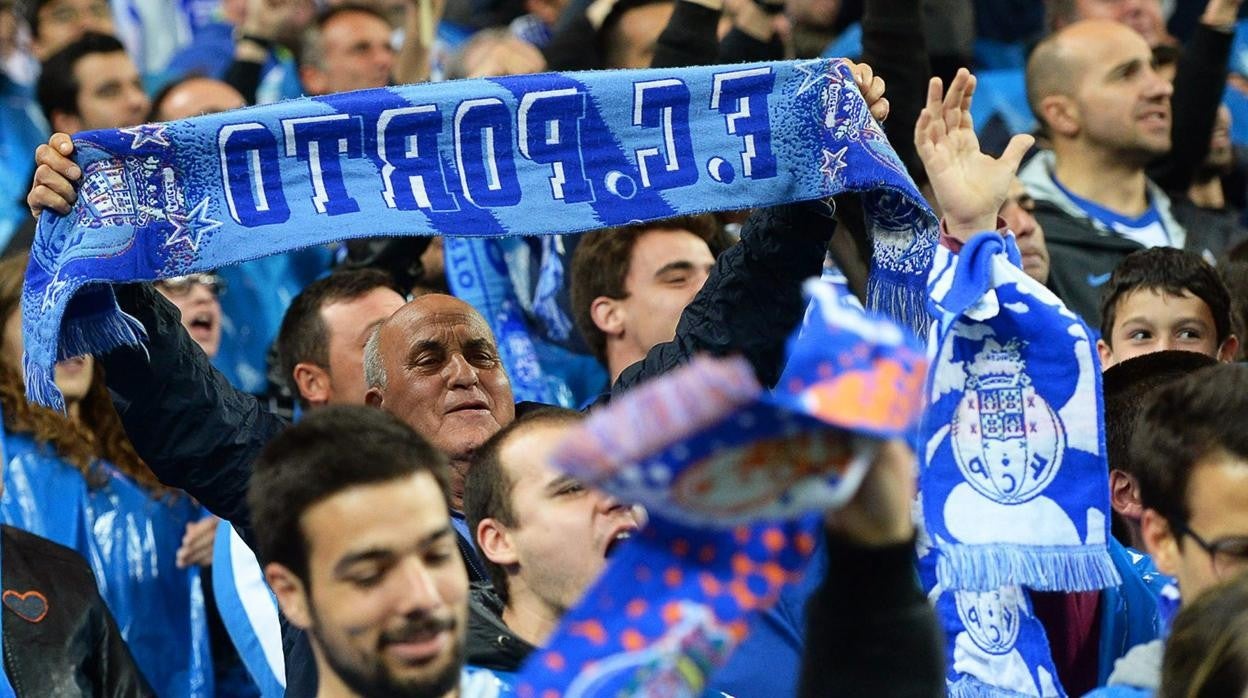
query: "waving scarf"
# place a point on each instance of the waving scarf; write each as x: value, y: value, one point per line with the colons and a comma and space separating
x: 506, y: 156
x: 1014, y: 482
x: 732, y: 475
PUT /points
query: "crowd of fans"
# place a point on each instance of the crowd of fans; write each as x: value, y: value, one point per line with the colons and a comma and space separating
x: 431, y: 533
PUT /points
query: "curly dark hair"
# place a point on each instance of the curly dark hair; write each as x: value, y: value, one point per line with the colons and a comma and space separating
x: 96, y: 434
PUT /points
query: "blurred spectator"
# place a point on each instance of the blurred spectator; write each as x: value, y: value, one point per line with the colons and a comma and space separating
x: 1214, y: 225
x: 24, y: 126
x: 1207, y: 655
x: 196, y: 298
x: 92, y: 83
x: 346, y: 48
x: 194, y: 96
x: 495, y: 52
x: 55, y: 24
x: 1144, y: 16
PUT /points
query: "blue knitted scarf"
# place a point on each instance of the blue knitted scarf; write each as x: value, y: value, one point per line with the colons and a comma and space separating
x: 524, y: 155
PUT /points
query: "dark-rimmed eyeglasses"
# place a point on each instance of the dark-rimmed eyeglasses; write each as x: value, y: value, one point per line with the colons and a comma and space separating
x: 180, y: 286
x: 1229, y: 555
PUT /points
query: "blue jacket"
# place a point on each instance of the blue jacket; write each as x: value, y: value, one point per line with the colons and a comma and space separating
x: 130, y: 541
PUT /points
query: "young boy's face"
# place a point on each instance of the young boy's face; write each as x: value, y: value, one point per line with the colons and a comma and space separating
x: 1148, y: 320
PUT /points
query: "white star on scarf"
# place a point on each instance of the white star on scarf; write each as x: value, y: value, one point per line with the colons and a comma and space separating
x: 53, y: 294
x: 814, y: 73
x: 146, y: 133
x: 191, y: 227
x: 833, y: 163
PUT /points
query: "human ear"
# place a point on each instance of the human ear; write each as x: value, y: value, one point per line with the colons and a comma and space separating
x: 291, y: 594
x: 1229, y: 350
x: 607, y: 315
x: 1124, y: 495
x: 312, y: 382
x: 495, y: 542
x: 1160, y: 542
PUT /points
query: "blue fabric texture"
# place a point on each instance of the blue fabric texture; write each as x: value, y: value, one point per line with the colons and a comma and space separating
x: 130, y: 541
x: 1013, y: 477
x: 486, y: 158
x: 1129, y: 613
x: 23, y: 130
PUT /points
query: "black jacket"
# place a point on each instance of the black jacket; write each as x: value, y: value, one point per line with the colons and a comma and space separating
x: 200, y: 434
x: 491, y: 644
x: 870, y: 630
x: 59, y: 638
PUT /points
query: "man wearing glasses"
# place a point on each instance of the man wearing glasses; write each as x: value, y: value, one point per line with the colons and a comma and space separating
x: 1190, y: 448
x: 196, y: 298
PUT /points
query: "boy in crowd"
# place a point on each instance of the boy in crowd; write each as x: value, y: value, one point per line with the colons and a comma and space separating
x: 1162, y: 299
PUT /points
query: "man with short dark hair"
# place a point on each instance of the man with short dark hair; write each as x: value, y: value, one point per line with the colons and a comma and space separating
x: 55, y: 24
x: 1190, y: 451
x: 350, y: 514
x: 91, y: 83
x: 544, y: 537
x: 630, y: 284
x: 321, y: 343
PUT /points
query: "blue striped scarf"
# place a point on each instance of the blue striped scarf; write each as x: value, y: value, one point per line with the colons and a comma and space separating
x: 523, y: 155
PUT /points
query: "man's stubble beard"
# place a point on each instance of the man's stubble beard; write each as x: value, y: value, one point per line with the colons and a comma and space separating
x: 378, y: 683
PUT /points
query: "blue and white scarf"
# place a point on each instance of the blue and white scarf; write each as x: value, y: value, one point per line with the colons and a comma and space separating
x: 995, y: 646
x: 503, y: 156
x: 1014, y: 484
x: 736, y: 479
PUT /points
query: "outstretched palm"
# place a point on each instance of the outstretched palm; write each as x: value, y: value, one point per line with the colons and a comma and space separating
x: 970, y: 185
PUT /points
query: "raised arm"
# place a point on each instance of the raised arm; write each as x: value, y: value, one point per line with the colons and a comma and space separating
x: 192, y: 428
x: 752, y: 299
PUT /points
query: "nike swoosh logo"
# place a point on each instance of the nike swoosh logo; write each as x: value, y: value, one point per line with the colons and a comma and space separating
x: 1095, y: 280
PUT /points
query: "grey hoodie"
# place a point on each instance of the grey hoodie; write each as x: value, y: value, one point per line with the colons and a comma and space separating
x: 1083, y: 253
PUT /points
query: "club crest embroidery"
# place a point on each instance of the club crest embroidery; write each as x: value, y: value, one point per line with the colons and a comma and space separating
x: 991, y: 618
x: 1007, y: 441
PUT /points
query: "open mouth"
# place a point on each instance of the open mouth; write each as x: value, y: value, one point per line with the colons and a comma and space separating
x: 202, y: 322
x: 614, y: 543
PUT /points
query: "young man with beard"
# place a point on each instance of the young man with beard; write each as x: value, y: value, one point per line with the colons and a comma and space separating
x: 351, y: 520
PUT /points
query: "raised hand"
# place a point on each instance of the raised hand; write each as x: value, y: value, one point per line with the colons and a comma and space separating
x: 55, y: 177
x: 872, y: 89
x: 969, y: 184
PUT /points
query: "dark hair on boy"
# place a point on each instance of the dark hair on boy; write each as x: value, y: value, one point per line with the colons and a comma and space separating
x: 303, y: 336
x: 1171, y: 271
x: 331, y: 450
x: 487, y: 487
x: 1207, y: 651
x: 57, y: 89
x: 602, y: 259
x: 1185, y: 423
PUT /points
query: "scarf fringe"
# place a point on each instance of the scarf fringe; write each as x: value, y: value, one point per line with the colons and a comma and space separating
x: 1043, y: 568
x: 41, y: 387
x: 903, y: 302
x: 971, y: 687
x: 100, y: 334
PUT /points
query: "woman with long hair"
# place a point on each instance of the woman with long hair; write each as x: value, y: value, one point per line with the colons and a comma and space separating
x: 77, y: 480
